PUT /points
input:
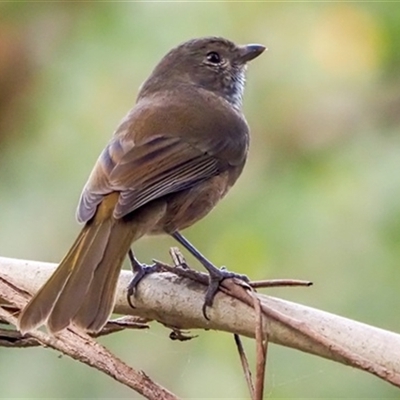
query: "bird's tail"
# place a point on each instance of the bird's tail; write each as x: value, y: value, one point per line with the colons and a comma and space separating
x: 82, y: 289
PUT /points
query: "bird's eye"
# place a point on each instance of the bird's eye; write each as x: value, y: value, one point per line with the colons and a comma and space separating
x: 213, y: 57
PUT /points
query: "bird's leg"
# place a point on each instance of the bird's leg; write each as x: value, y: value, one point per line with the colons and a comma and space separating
x: 216, y: 275
x: 140, y: 271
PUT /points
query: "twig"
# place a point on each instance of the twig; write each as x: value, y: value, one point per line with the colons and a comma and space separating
x: 261, y: 350
x: 83, y: 348
x: 178, y: 258
x: 269, y: 283
x: 120, y: 324
x: 245, y: 365
x: 12, y: 338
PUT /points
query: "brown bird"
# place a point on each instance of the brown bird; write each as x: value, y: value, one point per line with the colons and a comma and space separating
x: 172, y: 158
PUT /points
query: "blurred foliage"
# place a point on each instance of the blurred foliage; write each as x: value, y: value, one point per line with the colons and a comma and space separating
x: 319, y: 198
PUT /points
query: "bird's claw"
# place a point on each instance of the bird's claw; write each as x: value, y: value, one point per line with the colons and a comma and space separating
x: 140, y: 272
x: 215, y: 279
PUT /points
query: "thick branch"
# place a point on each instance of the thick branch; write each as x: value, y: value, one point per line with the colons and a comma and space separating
x: 177, y: 302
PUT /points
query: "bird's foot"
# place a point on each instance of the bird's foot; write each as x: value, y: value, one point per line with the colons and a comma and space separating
x: 140, y: 270
x: 216, y: 276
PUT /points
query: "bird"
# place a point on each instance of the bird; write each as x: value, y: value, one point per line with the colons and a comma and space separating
x: 171, y: 159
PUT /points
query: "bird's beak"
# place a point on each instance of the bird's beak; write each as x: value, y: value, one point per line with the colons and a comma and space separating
x: 249, y: 52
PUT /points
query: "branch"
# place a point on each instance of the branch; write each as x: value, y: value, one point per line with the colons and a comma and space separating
x: 177, y: 302
x: 81, y: 347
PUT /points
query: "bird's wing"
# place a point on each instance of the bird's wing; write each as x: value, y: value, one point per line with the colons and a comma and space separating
x: 144, y: 172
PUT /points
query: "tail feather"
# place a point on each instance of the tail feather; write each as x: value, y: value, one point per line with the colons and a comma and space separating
x: 84, y: 282
x: 88, y: 256
x: 41, y: 305
x: 99, y: 299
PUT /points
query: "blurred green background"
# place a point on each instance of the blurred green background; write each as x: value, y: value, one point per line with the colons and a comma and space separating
x: 319, y: 198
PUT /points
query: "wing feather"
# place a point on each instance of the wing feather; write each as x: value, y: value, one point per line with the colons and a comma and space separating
x: 145, y: 172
